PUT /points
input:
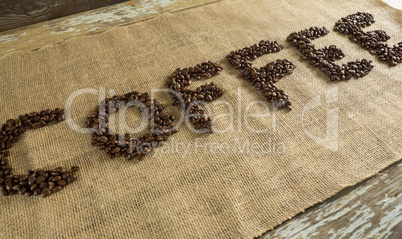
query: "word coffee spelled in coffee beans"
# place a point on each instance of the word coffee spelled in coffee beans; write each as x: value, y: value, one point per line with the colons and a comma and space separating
x: 372, y: 40
x: 126, y: 145
x: 190, y: 101
x: 45, y: 182
x: 35, y: 182
x: 324, y: 58
x: 263, y: 78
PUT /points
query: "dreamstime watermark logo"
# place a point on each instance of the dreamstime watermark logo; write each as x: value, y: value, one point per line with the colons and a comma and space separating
x: 330, y: 141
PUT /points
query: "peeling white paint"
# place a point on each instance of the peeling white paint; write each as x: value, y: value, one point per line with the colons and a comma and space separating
x: 11, y: 37
x: 388, y: 221
x: 113, y: 15
x: 361, y: 217
x: 358, y: 223
x: 8, y: 38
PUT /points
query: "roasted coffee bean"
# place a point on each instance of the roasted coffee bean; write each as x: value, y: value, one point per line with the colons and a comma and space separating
x: 22, y: 191
x: 43, y: 185
x: 64, y: 176
x: 57, y: 188
x: 40, y: 179
x: 324, y: 58
x: 18, y: 123
x: 126, y: 145
x: 23, y: 183
x: 187, y: 99
x: 63, y: 170
x: 45, y: 193
x: 31, y: 180
x: 103, y: 139
x: 62, y: 183
x: 23, y: 178
x: 51, y: 185
x: 263, y: 78
x: 71, y: 178
x: 28, y: 193
x: 36, y: 125
x: 373, y: 40
x: 33, y: 186
x: 37, y: 191
x: 35, y: 181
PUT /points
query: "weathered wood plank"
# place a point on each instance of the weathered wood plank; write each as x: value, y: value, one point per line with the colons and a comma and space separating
x: 38, y: 35
x: 371, y: 209
x: 18, y: 13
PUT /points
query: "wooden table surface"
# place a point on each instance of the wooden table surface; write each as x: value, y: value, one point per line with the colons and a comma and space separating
x: 18, y: 13
x: 371, y: 209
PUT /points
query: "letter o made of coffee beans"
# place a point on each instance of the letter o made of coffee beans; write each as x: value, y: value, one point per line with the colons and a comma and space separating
x: 35, y: 182
x: 126, y: 145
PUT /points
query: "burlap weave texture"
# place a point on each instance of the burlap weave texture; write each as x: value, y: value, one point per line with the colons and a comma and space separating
x: 200, y: 193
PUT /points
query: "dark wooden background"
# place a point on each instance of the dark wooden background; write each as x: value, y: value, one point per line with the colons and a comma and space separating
x: 18, y: 13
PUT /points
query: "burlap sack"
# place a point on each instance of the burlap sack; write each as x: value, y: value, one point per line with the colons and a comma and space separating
x: 202, y: 192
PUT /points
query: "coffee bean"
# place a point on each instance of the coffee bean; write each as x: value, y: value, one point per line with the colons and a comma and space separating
x: 23, y: 178
x: 51, y: 185
x: 23, y: 183
x: 18, y: 123
x: 61, y: 183
x: 31, y: 180
x: 37, y: 191
x: 71, y: 178
x: 36, y: 125
x: 22, y: 191
x: 45, y: 193
x: 57, y: 188
x: 40, y: 179
x: 43, y: 185
x: 33, y: 187
x: 103, y: 139
x: 28, y: 193
x: 64, y: 176
x: 4, y: 192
